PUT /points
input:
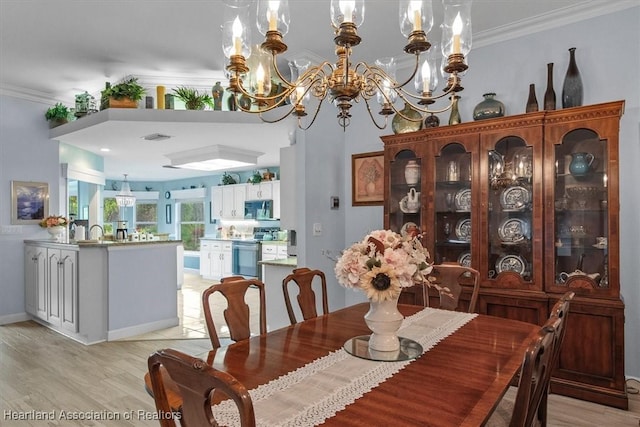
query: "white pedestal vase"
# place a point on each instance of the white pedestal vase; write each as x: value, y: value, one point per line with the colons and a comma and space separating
x: 384, y: 320
x: 56, y: 232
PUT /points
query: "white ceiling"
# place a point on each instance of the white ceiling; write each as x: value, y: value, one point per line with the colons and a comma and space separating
x: 53, y: 49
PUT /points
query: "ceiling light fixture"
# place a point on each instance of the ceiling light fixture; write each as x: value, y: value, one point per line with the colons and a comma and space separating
x: 342, y: 83
x: 214, y: 157
x: 125, y: 197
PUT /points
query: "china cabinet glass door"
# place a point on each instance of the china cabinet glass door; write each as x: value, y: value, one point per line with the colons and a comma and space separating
x: 510, y: 205
x: 581, y: 198
x: 453, y: 205
x: 405, y: 193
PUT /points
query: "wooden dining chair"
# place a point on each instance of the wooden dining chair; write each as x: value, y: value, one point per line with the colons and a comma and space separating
x: 450, y: 279
x: 530, y: 404
x: 535, y: 376
x: 237, y: 314
x: 196, y: 382
x: 304, y: 278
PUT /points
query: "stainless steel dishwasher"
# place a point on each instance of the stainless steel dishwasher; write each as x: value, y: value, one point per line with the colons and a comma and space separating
x: 246, y: 254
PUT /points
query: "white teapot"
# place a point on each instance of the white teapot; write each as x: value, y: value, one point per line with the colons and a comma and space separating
x: 565, y: 276
x: 411, y: 202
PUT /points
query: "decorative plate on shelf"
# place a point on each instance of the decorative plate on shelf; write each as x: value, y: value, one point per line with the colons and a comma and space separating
x: 465, y: 259
x: 515, y: 198
x: 463, y: 230
x: 462, y: 200
x: 513, y: 263
x: 513, y: 230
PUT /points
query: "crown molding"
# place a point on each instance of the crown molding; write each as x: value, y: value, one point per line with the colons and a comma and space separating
x: 550, y: 20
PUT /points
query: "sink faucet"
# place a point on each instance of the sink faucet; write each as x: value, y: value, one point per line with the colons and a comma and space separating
x: 101, y: 230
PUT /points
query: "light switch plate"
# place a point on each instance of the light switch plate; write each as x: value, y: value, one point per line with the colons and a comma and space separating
x: 317, y: 229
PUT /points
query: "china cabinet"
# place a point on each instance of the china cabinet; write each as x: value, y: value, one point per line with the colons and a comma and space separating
x: 531, y: 202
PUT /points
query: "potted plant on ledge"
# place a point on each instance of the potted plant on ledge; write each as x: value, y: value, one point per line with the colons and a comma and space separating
x: 57, y: 115
x: 125, y: 94
x: 193, y: 100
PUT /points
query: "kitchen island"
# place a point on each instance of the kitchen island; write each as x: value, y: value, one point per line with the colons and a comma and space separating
x: 273, y: 272
x: 97, y: 291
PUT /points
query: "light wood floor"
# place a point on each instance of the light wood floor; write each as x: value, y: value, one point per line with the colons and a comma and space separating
x: 43, y: 371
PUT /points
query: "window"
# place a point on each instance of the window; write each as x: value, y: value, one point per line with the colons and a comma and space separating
x: 146, y: 216
x: 191, y: 223
x: 110, y: 214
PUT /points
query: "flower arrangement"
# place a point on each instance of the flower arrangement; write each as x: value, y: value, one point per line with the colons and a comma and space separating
x: 382, y: 264
x: 54, y: 221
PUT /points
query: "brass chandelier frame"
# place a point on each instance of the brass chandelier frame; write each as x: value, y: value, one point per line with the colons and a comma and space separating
x: 343, y: 83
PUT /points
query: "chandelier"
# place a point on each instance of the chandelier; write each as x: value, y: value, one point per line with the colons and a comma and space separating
x: 341, y: 82
x: 125, y: 197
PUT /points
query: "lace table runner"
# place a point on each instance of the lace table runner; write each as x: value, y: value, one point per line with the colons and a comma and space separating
x: 318, y: 390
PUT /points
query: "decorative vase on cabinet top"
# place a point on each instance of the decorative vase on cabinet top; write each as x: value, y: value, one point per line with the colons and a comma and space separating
x: 411, y: 122
x: 454, y: 118
x: 412, y: 172
x: 532, y: 101
x: 488, y: 108
x: 572, y: 87
x: 550, y: 94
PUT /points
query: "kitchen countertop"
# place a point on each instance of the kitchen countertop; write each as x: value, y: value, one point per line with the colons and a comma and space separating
x: 101, y: 244
x: 284, y: 262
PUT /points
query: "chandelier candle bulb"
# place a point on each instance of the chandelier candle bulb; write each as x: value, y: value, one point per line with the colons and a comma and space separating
x: 273, y: 15
x: 347, y: 7
x: 457, y: 30
x: 237, y: 37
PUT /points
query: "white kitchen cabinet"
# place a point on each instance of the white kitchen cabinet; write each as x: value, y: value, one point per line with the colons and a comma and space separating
x: 261, y: 191
x: 35, y: 263
x: 271, y: 251
x: 216, y: 202
x: 51, y: 285
x: 216, y: 259
x: 233, y: 198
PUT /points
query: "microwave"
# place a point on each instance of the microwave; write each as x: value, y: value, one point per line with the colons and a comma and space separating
x: 258, y: 209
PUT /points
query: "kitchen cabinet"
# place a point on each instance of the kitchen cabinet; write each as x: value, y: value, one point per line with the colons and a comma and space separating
x: 216, y: 259
x: 51, y: 285
x: 271, y: 251
x: 478, y: 200
x: 261, y: 191
x: 227, y: 201
x: 35, y: 280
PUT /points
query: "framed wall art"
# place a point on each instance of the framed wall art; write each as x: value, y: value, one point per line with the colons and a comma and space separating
x: 367, y: 178
x: 29, y: 202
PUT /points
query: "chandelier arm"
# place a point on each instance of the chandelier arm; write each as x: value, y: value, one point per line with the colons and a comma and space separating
x: 291, y: 110
x: 373, y: 119
x: 315, y: 115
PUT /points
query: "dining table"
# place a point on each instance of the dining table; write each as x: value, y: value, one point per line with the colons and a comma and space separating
x: 301, y: 374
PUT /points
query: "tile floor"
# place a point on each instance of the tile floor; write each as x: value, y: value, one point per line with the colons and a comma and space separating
x: 192, y: 324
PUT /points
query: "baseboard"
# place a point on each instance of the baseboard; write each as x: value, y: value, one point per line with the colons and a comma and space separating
x: 14, y: 318
x: 132, y: 331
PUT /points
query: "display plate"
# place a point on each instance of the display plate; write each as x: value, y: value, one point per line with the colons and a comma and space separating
x: 513, y: 230
x: 463, y: 230
x: 515, y: 198
x: 513, y: 263
x: 463, y: 200
x: 465, y: 259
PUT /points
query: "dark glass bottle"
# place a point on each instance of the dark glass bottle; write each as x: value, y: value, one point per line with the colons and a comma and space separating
x: 550, y: 94
x: 532, y: 102
x: 572, y: 87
